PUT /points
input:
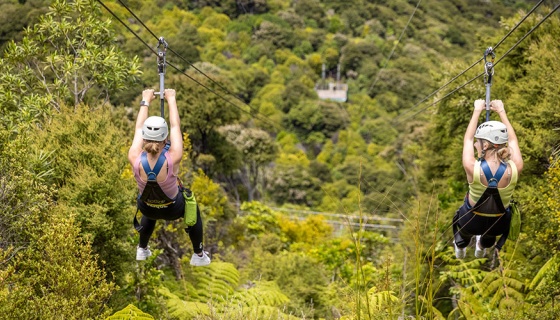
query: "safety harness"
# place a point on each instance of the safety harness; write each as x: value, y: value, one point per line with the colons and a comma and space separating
x: 153, y: 195
x: 490, y: 203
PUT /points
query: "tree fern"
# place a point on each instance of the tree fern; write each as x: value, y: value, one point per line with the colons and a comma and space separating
x: 257, y: 312
x: 178, y: 308
x: 382, y: 302
x: 181, y: 288
x: 502, y: 287
x: 481, y: 292
x: 130, y: 312
x: 550, y: 266
x: 262, y: 293
x: 464, y: 272
x: 215, y: 282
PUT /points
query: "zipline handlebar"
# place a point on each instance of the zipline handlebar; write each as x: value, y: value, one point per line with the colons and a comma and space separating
x: 488, y: 73
x: 162, y: 48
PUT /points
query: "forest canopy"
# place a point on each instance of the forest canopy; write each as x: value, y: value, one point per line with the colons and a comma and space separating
x: 312, y: 208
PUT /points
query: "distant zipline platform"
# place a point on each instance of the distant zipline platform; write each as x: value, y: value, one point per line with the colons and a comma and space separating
x: 335, y: 91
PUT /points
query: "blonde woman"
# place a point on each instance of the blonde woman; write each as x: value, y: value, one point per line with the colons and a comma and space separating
x: 155, y: 156
x: 492, y: 178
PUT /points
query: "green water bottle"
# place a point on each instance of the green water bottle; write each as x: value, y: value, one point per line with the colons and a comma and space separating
x: 190, y: 207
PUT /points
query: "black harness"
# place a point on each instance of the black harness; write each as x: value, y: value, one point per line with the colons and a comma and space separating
x: 153, y: 195
x: 490, y: 203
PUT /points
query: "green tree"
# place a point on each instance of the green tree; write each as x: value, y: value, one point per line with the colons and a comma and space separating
x: 257, y: 149
x: 15, y: 16
x: 294, y: 93
x: 49, y: 270
x: 93, y: 178
x: 312, y: 11
x: 356, y: 55
x: 323, y: 117
x: 63, y: 59
x: 202, y: 111
x: 277, y: 36
x: 57, y: 275
x: 293, y: 183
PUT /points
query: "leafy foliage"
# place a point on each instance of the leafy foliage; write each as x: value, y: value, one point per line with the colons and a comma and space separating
x: 55, y: 274
x: 84, y: 142
x: 63, y: 59
x: 130, y: 312
x: 331, y: 157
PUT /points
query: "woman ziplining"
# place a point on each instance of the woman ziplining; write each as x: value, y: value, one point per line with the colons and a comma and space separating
x: 155, y: 161
x: 486, y: 212
x: 155, y: 155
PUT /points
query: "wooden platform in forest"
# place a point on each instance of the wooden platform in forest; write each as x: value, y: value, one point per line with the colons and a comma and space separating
x: 334, y: 91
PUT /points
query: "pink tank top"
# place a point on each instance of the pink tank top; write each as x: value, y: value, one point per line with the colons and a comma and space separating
x: 169, y: 185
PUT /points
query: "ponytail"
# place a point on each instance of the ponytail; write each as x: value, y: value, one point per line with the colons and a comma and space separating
x: 152, y: 147
x: 503, y: 153
x: 501, y: 150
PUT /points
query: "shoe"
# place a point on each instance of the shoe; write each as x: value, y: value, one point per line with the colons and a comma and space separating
x: 460, y: 253
x: 142, y: 254
x: 479, y: 253
x: 200, y: 261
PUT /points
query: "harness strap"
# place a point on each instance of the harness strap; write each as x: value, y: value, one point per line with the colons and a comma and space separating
x: 489, y: 215
x: 492, y: 179
x: 152, y: 173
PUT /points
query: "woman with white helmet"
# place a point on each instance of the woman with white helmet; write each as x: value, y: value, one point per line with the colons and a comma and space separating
x: 492, y: 179
x: 155, y: 160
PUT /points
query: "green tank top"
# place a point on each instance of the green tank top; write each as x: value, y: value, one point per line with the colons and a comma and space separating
x: 476, y: 188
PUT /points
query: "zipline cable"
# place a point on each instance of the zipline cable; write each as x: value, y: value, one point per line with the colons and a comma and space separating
x: 472, y: 65
x: 518, y: 23
x: 129, y: 29
x: 480, y: 75
x: 439, y: 100
x: 395, y: 46
x: 529, y: 32
x: 263, y: 118
x: 185, y: 60
x: 222, y: 97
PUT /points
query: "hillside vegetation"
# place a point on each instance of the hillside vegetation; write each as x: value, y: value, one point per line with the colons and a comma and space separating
x: 313, y: 209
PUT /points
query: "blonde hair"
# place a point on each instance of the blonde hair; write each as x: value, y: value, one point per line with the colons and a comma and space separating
x: 501, y: 150
x: 153, y: 147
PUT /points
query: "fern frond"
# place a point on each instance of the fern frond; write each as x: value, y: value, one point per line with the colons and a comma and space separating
x: 466, y: 273
x: 215, y: 282
x: 181, y: 309
x: 379, y: 300
x: 257, y: 313
x: 502, y: 285
x: 262, y: 293
x: 130, y: 312
x: 550, y: 266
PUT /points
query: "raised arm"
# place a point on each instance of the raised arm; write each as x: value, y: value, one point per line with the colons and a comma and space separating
x: 175, y: 136
x: 498, y: 107
x: 137, y: 141
x: 468, y: 140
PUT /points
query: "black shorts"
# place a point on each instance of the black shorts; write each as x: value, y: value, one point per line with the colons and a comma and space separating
x: 173, y: 211
x: 469, y: 224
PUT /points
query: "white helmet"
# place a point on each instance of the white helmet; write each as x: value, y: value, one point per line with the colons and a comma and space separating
x: 155, y: 129
x: 493, y: 131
